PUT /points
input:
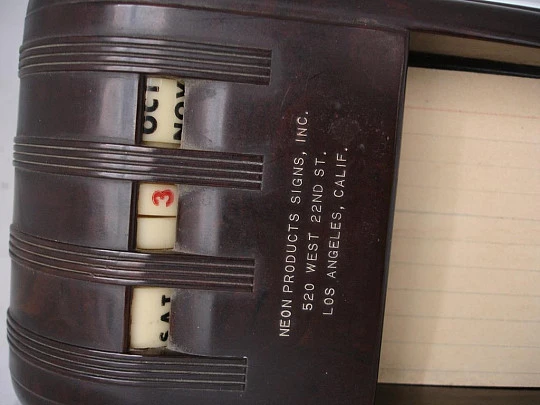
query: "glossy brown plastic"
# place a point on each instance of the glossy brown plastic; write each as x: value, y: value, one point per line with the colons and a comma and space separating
x: 275, y: 92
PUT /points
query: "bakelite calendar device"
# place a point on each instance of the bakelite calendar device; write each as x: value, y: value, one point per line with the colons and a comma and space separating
x: 205, y: 192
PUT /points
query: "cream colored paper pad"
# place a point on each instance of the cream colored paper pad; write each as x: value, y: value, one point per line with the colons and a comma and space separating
x: 463, y: 304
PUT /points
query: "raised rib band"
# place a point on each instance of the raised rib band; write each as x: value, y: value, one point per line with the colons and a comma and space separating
x: 166, y: 371
x: 132, y: 268
x: 130, y: 162
x: 146, y: 55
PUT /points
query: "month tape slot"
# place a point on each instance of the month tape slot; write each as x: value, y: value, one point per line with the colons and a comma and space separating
x: 163, y: 112
x: 150, y: 317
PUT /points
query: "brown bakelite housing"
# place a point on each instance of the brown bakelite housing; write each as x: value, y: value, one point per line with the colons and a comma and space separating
x: 275, y: 92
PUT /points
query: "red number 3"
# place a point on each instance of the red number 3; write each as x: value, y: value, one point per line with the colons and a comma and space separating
x: 159, y: 196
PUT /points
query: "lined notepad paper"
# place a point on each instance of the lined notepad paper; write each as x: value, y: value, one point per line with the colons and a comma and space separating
x: 463, y: 303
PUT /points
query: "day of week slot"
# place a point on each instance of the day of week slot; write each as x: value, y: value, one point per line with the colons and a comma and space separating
x: 163, y: 112
x: 150, y: 317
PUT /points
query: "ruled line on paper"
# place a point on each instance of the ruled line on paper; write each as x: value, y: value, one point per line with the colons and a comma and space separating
x: 448, y: 110
x: 426, y: 290
x: 461, y: 371
x: 472, y: 318
x: 450, y: 163
x: 464, y: 164
x: 459, y: 379
x: 466, y: 241
x: 468, y: 189
x: 521, y: 132
x: 471, y: 138
x: 465, y: 267
x: 457, y: 214
x: 462, y: 318
x: 467, y: 210
x: 492, y: 333
x: 466, y: 152
x: 466, y: 228
x: 397, y: 342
